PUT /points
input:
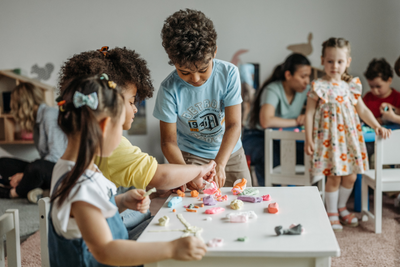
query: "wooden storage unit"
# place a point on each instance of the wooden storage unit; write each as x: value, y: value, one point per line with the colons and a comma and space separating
x: 9, y: 131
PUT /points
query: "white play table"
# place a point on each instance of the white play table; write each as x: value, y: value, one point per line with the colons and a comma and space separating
x: 302, y: 205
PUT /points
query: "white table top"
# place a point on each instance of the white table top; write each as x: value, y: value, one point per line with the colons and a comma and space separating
x: 296, y: 205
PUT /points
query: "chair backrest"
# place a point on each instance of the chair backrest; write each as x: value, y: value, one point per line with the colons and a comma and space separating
x: 388, y: 150
x: 44, y: 209
x: 288, y: 173
x: 9, y: 226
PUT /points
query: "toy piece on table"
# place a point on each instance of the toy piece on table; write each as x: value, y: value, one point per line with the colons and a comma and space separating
x: 194, y: 193
x: 295, y: 225
x: 222, y: 198
x: 296, y: 130
x: 251, y: 191
x: 242, y: 239
x: 210, y: 188
x: 266, y: 197
x: 273, y: 207
x: 250, y: 214
x: 180, y: 193
x: 209, y: 219
x: 191, y: 206
x: 215, y: 210
x: 302, y: 127
x: 174, y: 201
x: 215, y: 242
x: 163, y: 221
x: 237, y: 204
x: 153, y: 190
x: 239, y: 218
x: 251, y: 199
x: 296, y: 230
x: 202, y: 205
x: 196, y: 207
x: 238, y: 186
x: 280, y: 129
x: 209, y: 201
x: 174, y: 210
x: 189, y: 210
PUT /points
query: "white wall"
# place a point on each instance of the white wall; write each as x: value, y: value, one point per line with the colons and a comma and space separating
x: 44, y: 31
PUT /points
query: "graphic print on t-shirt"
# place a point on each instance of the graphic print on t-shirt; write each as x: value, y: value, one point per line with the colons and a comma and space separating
x: 205, y: 120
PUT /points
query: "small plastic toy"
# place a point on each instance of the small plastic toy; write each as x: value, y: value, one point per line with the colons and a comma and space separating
x: 153, y: 190
x: 163, y: 221
x: 174, y: 210
x: 209, y: 201
x: 295, y: 230
x: 194, y: 193
x: 296, y: 130
x: 237, y: 204
x: 251, y: 191
x: 215, y: 210
x: 208, y: 219
x: 189, y: 210
x: 210, y: 188
x: 215, y: 242
x: 238, y: 186
x: 191, y: 206
x: 251, y: 199
x: 266, y: 197
x: 250, y: 214
x: 174, y: 201
x: 273, y: 208
x: 242, y: 239
x: 238, y: 218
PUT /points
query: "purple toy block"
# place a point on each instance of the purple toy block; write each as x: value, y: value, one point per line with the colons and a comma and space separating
x: 209, y: 201
x: 250, y: 199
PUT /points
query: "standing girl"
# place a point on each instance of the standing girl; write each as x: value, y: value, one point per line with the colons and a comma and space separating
x: 85, y: 228
x: 333, y: 132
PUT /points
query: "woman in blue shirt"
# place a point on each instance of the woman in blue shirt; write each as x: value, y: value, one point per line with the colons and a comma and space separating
x: 277, y: 104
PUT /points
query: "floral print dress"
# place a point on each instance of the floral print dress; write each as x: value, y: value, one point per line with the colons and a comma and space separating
x: 339, y: 147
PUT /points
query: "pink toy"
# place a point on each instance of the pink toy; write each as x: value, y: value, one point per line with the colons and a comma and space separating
x: 238, y: 218
x: 250, y: 199
x: 209, y: 201
x: 273, y: 208
x: 211, y: 188
x: 215, y: 242
x: 215, y: 210
x: 296, y: 130
x: 266, y: 197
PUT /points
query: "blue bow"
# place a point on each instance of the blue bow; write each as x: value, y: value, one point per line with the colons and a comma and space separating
x: 90, y: 100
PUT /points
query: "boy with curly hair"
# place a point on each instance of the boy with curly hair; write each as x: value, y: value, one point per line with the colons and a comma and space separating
x: 199, y: 103
x: 128, y: 165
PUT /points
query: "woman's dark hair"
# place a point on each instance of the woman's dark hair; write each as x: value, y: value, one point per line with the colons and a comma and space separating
x: 291, y: 64
x: 379, y: 68
x: 123, y: 66
x: 189, y: 37
x: 84, y: 121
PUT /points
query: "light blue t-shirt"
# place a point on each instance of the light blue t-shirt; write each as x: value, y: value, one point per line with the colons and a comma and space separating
x: 274, y: 95
x: 199, y: 112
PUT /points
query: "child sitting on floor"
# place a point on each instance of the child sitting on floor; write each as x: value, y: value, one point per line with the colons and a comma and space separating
x: 85, y: 228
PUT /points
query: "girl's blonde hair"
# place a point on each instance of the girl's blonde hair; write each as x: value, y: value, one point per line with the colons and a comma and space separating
x: 338, y: 43
x: 25, y: 98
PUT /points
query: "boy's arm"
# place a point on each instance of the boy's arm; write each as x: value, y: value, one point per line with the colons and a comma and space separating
x: 169, y: 145
x: 231, y: 136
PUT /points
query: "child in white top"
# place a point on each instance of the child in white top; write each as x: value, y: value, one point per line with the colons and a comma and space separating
x: 333, y: 132
x: 85, y: 228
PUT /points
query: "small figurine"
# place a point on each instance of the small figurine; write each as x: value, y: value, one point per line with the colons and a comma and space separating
x: 294, y: 230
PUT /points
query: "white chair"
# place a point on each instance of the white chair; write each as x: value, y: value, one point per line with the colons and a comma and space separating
x: 44, y: 209
x: 381, y: 180
x: 9, y: 226
x: 288, y: 173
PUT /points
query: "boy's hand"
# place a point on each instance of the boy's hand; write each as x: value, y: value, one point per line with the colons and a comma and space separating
x: 309, y: 147
x: 220, y: 175
x: 385, y: 133
x: 134, y: 200
x: 188, y: 248
x: 207, y: 173
x: 389, y: 114
x: 15, y: 179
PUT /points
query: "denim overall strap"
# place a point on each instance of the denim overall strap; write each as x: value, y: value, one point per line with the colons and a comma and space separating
x: 74, y: 252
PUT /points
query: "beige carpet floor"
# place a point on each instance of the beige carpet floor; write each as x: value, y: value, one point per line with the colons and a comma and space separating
x: 360, y: 246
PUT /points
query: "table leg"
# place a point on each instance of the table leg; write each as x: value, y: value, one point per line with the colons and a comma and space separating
x: 323, y: 262
x: 357, y: 193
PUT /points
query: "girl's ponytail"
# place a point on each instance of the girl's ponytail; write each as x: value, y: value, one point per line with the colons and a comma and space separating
x: 83, y: 122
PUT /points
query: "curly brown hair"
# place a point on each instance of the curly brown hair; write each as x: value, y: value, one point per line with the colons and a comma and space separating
x: 338, y: 43
x: 379, y: 68
x: 189, y: 37
x: 122, y: 65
